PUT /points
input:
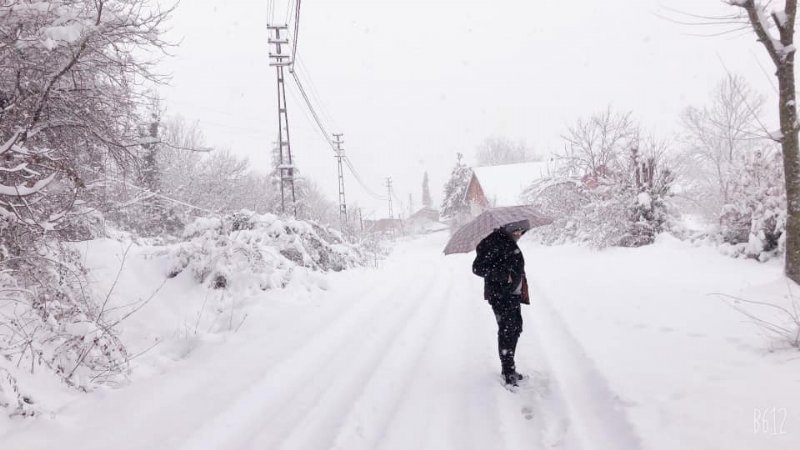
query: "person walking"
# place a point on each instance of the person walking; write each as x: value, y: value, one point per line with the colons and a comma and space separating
x: 500, y: 263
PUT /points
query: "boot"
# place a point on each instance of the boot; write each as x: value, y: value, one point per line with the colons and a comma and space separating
x: 512, y: 378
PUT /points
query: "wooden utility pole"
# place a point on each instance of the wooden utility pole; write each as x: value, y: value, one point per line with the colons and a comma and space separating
x: 286, y: 168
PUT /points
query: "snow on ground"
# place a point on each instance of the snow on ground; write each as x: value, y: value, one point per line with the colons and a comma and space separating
x: 626, y: 349
x: 688, y: 370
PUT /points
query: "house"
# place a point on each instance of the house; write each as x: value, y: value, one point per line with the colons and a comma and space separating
x: 426, y: 220
x: 425, y: 214
x: 383, y: 226
x: 503, y: 185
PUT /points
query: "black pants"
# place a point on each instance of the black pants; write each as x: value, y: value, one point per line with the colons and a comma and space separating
x: 509, y: 327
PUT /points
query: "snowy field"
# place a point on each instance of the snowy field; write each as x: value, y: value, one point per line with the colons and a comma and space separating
x: 626, y: 348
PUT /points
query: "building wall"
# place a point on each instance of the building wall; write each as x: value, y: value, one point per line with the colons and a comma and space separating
x: 475, y: 194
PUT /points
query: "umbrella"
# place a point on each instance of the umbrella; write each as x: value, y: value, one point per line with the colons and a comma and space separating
x: 466, y: 238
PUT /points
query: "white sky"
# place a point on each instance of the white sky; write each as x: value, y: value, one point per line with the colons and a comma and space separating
x: 412, y: 82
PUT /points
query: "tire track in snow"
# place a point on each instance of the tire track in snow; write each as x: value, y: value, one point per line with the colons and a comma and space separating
x: 473, y: 414
x: 223, y: 381
x: 370, y: 414
x: 597, y: 420
x: 281, y: 383
x: 226, y: 380
x: 363, y: 401
x: 499, y: 411
x: 445, y: 397
x: 543, y: 402
x: 467, y: 412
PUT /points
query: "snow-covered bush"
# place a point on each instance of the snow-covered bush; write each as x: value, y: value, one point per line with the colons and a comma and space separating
x: 734, y: 173
x: 607, y: 215
x: 614, y: 186
x: 12, y: 398
x: 264, y: 251
x: 49, y: 320
x: 753, y: 223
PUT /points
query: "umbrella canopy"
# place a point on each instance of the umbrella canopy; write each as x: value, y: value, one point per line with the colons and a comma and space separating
x: 466, y: 238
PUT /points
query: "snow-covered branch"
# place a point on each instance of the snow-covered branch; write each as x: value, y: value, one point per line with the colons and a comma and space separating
x: 24, y: 191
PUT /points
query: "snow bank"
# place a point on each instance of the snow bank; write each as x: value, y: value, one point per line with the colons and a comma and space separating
x: 247, y: 249
x: 154, y: 304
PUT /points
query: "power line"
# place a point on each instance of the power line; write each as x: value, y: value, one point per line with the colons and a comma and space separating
x: 296, y: 30
x: 319, y: 101
x: 313, y: 111
x: 228, y: 113
x: 233, y: 127
x: 307, y: 116
x: 325, y: 136
x: 361, y: 182
x: 288, y: 12
x: 307, y: 99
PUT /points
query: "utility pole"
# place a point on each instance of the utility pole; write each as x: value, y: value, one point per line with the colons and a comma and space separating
x: 278, y: 60
x: 342, y: 203
x: 389, y: 191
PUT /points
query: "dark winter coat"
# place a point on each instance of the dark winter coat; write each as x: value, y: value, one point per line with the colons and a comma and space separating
x: 500, y: 263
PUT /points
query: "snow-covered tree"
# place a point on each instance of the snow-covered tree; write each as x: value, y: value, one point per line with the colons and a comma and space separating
x: 426, y: 192
x: 68, y: 101
x: 71, y: 101
x: 734, y: 170
x: 455, y: 201
x: 774, y: 28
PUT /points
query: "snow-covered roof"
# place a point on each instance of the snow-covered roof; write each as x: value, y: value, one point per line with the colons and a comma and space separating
x: 503, y: 185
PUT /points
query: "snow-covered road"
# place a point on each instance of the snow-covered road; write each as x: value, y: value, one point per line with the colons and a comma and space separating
x: 404, y: 357
x: 398, y: 358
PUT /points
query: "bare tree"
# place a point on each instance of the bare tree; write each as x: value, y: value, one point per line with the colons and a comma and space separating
x: 774, y: 28
x: 179, y: 167
x: 497, y: 150
x: 596, y: 145
x: 719, y: 134
x: 315, y: 205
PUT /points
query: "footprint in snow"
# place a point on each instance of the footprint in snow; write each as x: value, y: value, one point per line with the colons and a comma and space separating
x: 527, y: 412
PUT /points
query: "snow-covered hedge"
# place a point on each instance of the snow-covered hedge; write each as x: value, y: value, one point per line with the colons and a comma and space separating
x: 264, y: 251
